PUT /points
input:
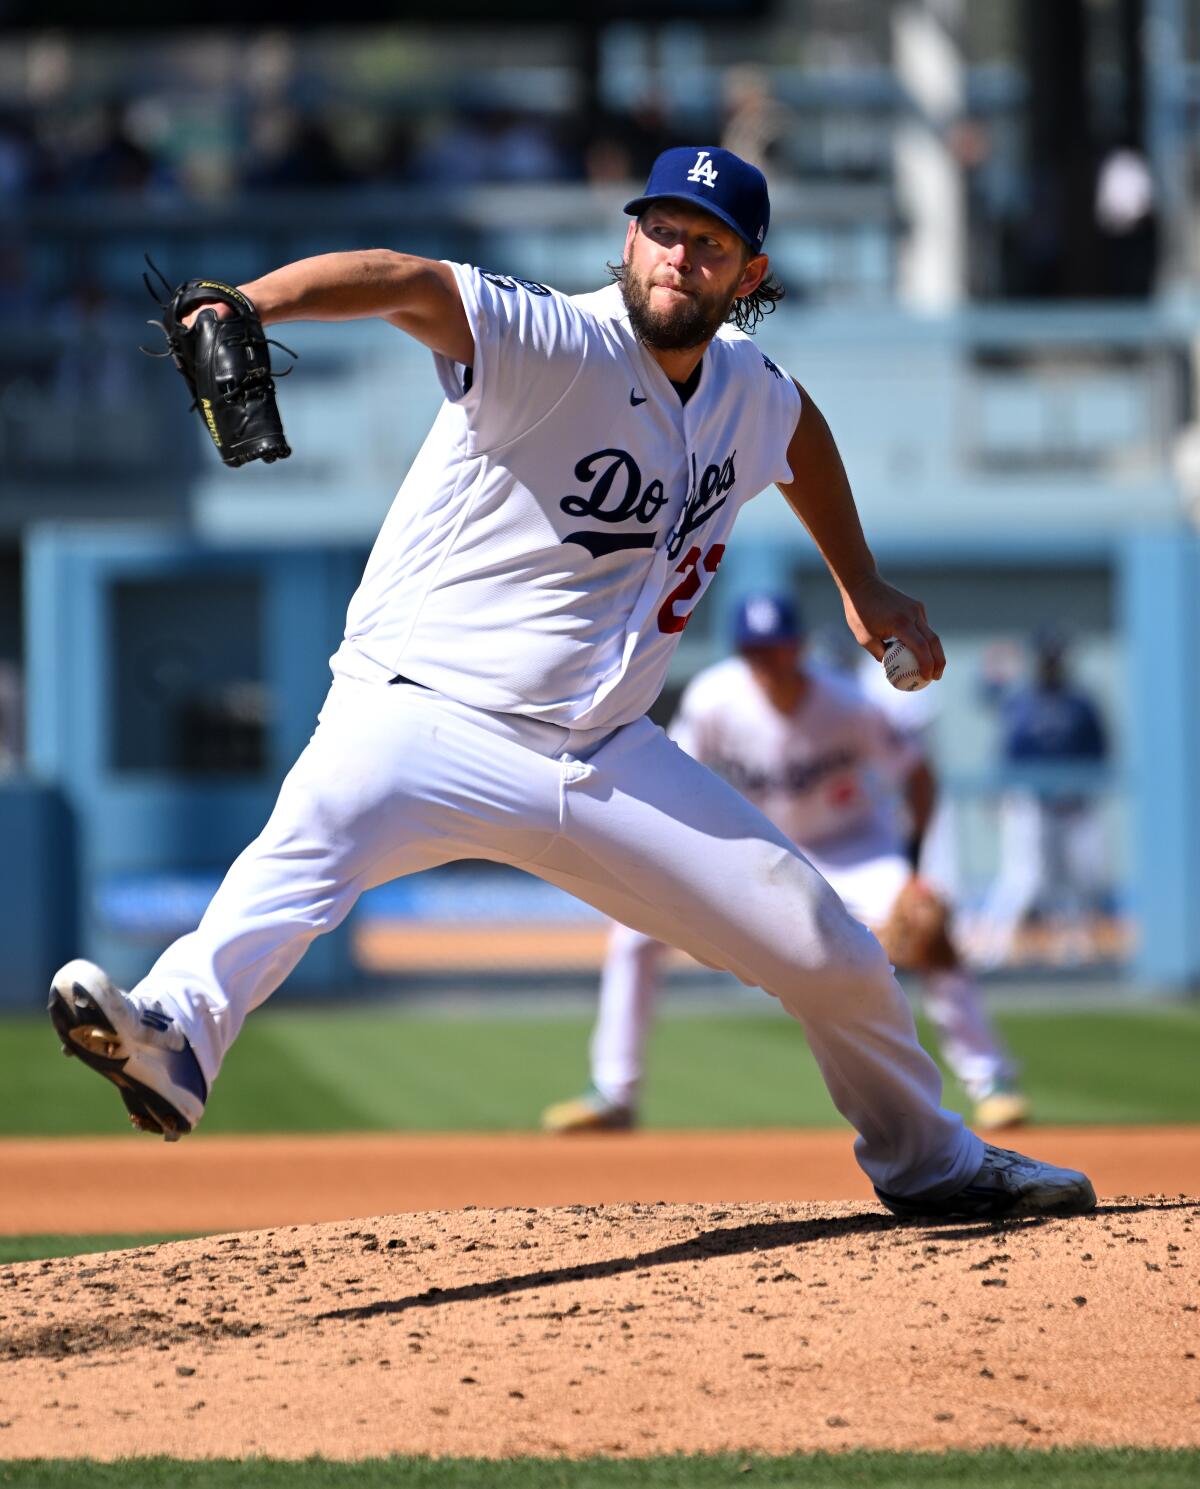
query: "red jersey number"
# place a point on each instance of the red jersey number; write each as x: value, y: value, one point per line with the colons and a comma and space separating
x: 688, y: 587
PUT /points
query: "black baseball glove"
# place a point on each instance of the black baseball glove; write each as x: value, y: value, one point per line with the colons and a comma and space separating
x: 226, y: 365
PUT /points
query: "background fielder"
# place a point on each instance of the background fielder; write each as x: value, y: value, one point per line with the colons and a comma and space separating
x: 516, y: 618
x: 1053, y: 854
x: 825, y: 765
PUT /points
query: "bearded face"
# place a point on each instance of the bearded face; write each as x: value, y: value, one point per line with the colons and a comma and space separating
x: 680, y: 277
x: 672, y: 322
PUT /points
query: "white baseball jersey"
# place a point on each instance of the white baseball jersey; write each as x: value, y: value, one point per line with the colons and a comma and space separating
x: 567, y: 510
x: 828, y: 771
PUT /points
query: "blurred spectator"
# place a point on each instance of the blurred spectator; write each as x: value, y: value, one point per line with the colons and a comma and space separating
x: 757, y: 125
x: 606, y: 160
x: 389, y: 155
x: 622, y: 146
x: 451, y: 150
x: 525, y: 148
x: 1052, y: 851
x: 111, y: 159
x: 1034, y: 245
x: 490, y: 146
x: 18, y: 296
x: 19, y: 157
x: 992, y: 185
x: 290, y: 151
x: 92, y: 381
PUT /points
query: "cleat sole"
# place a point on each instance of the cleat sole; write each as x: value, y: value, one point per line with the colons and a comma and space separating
x: 82, y: 1026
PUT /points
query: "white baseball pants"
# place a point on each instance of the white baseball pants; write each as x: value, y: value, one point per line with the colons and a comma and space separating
x: 867, y: 876
x: 398, y: 778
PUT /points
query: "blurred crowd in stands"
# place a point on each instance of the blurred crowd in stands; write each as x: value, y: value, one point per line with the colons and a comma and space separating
x: 279, y: 127
x: 163, y: 147
x: 145, y: 148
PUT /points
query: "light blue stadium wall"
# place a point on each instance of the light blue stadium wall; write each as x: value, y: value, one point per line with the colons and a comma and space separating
x: 38, y: 927
x: 1161, y: 600
x: 147, y: 826
x: 135, y: 826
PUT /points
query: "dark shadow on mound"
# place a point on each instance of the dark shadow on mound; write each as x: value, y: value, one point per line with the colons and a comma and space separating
x: 765, y: 1236
x: 730, y: 1241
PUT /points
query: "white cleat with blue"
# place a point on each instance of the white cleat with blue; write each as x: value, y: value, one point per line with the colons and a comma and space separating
x: 135, y: 1045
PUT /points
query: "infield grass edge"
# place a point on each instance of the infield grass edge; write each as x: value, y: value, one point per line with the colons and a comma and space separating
x: 995, y: 1468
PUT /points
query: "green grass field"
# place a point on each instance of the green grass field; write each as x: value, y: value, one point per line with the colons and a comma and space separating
x: 377, y: 1068
x: 1084, y: 1468
x: 36, y: 1248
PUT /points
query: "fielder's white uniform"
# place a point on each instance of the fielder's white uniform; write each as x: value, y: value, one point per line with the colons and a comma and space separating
x: 545, y: 551
x: 828, y: 776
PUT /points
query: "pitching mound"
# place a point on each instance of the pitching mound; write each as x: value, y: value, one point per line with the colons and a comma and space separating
x: 624, y: 1330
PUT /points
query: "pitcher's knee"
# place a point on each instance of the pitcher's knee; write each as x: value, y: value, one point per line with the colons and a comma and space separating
x: 812, y: 933
x: 844, y: 942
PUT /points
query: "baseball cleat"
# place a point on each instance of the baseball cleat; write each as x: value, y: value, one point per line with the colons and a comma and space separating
x: 1007, y: 1186
x: 591, y: 1112
x: 136, y: 1046
x: 1002, y: 1107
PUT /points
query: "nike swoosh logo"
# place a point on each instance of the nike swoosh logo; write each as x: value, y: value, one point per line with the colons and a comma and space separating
x: 634, y: 400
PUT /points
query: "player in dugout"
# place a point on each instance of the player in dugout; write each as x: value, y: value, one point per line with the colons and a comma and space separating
x: 515, y: 620
x: 829, y: 770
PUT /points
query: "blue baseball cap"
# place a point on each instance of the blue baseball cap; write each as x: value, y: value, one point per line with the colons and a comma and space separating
x: 715, y: 179
x: 763, y: 620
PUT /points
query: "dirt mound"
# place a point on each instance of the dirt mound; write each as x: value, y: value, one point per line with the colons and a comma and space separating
x: 624, y: 1330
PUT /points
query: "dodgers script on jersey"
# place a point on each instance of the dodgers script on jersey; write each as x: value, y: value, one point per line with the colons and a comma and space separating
x: 567, y: 510
x: 829, y: 771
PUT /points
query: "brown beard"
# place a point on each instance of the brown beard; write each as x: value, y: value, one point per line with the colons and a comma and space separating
x: 693, y: 323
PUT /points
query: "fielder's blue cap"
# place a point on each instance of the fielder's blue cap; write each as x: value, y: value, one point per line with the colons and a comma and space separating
x: 715, y: 179
x: 762, y: 620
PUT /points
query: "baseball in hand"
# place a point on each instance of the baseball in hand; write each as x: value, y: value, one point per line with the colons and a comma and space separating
x: 900, y: 667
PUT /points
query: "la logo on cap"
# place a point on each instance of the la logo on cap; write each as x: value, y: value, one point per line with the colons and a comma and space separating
x: 703, y: 170
x: 690, y: 173
x: 762, y: 615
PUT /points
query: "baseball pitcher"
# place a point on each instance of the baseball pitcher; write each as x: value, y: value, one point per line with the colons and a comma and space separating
x: 516, y: 618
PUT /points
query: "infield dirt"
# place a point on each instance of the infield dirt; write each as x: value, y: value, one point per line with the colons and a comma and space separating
x: 131, y: 1184
x: 626, y: 1330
